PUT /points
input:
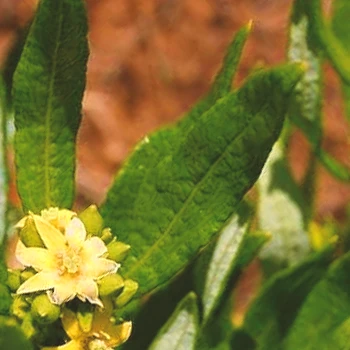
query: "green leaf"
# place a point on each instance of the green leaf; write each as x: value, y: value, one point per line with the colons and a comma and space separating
x: 306, y: 24
x: 48, y: 88
x: 159, y: 145
x: 275, y: 308
x: 3, y: 162
x: 323, y: 321
x: 223, y: 259
x: 215, y: 265
x: 325, y: 39
x: 241, y: 340
x: 11, y: 336
x: 341, y: 28
x: 280, y: 212
x: 187, y: 198
x: 180, y: 331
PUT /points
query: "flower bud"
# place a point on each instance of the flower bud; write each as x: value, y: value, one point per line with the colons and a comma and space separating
x: 26, y: 274
x: 85, y: 316
x: 110, y: 284
x: 130, y: 288
x: 43, y: 311
x: 28, y: 327
x: 92, y: 220
x: 29, y: 234
x: 106, y: 235
x: 19, y: 307
x: 13, y: 279
x: 117, y: 251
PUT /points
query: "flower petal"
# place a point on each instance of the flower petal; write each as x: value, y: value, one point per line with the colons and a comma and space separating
x: 87, y: 289
x: 38, y: 258
x: 39, y: 282
x: 94, y: 247
x: 119, y: 333
x: 52, y: 238
x: 98, y: 268
x: 71, y: 324
x: 72, y: 345
x: 64, y: 290
x: 75, y: 233
x: 64, y: 217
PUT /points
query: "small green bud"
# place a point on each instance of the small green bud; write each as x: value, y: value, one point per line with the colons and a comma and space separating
x: 19, y: 307
x: 29, y: 234
x: 130, y: 288
x: 28, y: 327
x: 117, y: 251
x: 92, y: 220
x: 106, y: 235
x: 85, y: 316
x: 13, y: 279
x: 26, y: 274
x: 110, y: 284
x: 43, y: 311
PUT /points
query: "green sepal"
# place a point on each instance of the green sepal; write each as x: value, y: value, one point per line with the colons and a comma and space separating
x: 85, y: 316
x: 29, y: 234
x: 117, y: 251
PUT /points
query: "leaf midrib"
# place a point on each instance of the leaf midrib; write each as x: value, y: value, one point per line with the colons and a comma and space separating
x: 187, y: 201
x: 49, y: 110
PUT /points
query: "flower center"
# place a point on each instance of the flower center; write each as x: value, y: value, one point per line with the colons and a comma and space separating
x: 70, y: 261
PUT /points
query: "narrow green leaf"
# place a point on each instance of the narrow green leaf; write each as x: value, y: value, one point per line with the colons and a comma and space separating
x: 341, y: 28
x: 306, y: 24
x: 276, y: 306
x: 47, y: 91
x: 156, y: 147
x: 11, y: 336
x: 216, y: 264
x: 280, y: 212
x: 223, y: 259
x: 179, y: 333
x: 187, y: 198
x: 324, y: 37
x: 323, y: 321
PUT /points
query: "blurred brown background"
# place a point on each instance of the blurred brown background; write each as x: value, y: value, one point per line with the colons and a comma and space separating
x: 151, y: 59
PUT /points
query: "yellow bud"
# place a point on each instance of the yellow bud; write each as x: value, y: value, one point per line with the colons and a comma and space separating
x: 92, y: 220
x: 130, y: 288
x: 13, y: 279
x: 43, y: 311
x: 28, y: 327
x: 117, y: 251
x: 29, y: 234
x: 110, y: 284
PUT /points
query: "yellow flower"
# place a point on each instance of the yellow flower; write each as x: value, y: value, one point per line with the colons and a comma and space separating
x: 72, y: 262
x: 103, y: 335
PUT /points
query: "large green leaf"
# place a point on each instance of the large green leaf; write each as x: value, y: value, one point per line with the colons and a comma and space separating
x: 276, y: 306
x: 341, y: 28
x: 324, y: 320
x: 187, y: 197
x: 11, y: 336
x: 280, y: 212
x: 47, y: 91
x: 179, y: 333
x: 159, y: 145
